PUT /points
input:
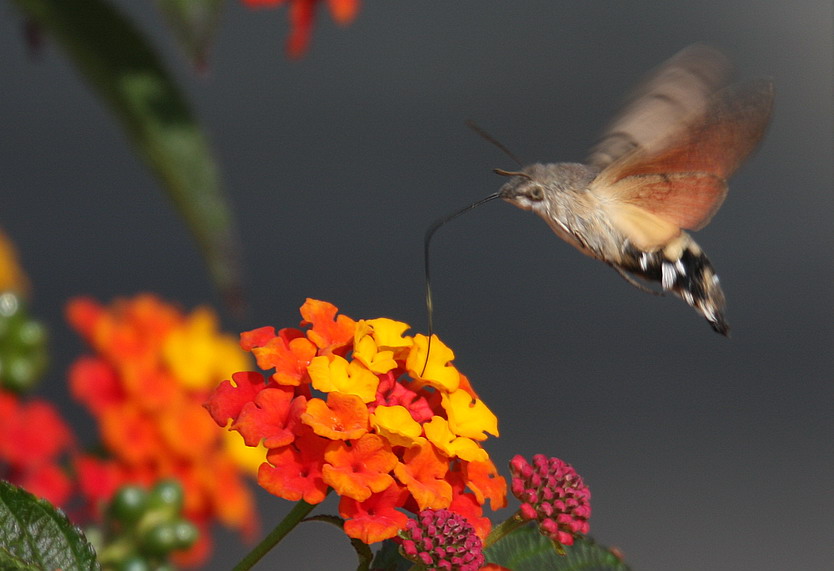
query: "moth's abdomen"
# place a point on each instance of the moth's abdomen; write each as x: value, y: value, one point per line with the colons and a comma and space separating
x: 683, y: 268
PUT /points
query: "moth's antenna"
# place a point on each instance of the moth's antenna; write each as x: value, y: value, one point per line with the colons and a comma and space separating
x: 426, y: 242
x: 487, y: 137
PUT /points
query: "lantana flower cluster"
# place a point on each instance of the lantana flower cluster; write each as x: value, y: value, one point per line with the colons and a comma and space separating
x: 349, y: 407
x: 554, y: 495
x: 151, y: 371
x: 442, y: 539
x: 34, y: 441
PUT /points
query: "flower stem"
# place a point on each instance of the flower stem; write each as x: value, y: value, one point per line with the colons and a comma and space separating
x: 503, y: 529
x: 286, y: 525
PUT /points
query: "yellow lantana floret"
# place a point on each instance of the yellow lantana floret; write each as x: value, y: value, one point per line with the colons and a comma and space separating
x: 469, y: 416
x: 199, y: 355
x: 396, y: 424
x: 334, y: 373
x: 438, y: 372
x: 439, y: 434
x: 367, y: 351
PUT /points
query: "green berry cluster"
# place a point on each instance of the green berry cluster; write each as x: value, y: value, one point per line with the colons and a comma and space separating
x: 143, y: 528
x: 22, y: 345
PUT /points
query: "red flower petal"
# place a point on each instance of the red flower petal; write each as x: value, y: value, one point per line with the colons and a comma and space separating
x: 229, y: 397
x: 295, y: 472
x: 272, y: 417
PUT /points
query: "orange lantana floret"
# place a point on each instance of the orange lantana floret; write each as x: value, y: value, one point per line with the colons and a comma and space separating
x: 359, y: 468
x: 423, y: 471
x: 329, y: 332
x: 288, y: 352
x: 377, y: 518
x: 342, y: 417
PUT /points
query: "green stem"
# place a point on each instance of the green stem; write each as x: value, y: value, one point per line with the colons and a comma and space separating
x: 503, y: 529
x: 298, y: 513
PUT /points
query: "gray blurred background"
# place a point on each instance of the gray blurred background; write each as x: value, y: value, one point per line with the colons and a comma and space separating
x: 700, y: 452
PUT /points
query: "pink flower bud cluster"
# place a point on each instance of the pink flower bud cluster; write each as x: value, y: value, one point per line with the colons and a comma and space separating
x: 442, y: 540
x: 552, y: 493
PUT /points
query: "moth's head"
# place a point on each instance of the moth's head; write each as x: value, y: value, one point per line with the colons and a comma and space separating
x: 539, y: 187
x: 524, y: 188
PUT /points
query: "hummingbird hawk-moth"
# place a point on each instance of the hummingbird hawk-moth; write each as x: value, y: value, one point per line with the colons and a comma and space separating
x: 660, y: 168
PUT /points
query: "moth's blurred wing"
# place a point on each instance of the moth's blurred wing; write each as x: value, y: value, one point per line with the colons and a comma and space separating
x: 681, y: 176
x: 680, y: 88
x: 687, y: 200
x: 643, y: 229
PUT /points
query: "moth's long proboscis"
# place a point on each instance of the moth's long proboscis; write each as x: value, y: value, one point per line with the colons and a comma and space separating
x: 426, y: 243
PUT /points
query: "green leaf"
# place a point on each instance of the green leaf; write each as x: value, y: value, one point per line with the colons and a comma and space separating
x: 36, y: 535
x: 525, y: 549
x: 388, y: 558
x: 194, y: 23
x: 125, y: 71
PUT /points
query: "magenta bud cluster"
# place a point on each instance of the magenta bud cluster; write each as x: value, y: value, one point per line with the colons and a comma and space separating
x: 553, y: 494
x: 442, y: 540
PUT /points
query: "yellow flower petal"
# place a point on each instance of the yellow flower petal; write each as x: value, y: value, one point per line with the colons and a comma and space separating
x: 199, y: 355
x: 334, y: 373
x: 366, y: 351
x: 467, y: 416
x: 249, y: 458
x: 439, y: 434
x: 389, y: 333
x: 396, y: 424
x: 12, y: 276
x: 438, y: 372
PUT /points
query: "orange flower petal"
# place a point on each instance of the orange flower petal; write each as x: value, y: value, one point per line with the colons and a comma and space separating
x: 342, y: 417
x: 343, y: 11
x: 484, y: 479
x: 377, y: 518
x: 422, y: 471
x: 289, y: 358
x: 256, y: 337
x: 329, y: 331
x: 359, y: 468
x: 188, y: 418
x: 130, y: 432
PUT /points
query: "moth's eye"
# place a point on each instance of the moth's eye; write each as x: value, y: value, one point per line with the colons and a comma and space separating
x: 535, y: 193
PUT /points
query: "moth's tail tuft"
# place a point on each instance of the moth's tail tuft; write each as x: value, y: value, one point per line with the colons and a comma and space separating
x: 683, y: 268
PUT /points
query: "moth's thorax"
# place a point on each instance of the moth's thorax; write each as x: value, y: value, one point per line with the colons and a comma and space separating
x: 560, y: 194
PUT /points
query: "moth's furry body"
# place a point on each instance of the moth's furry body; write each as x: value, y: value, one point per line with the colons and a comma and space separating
x: 661, y: 167
x: 561, y: 194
